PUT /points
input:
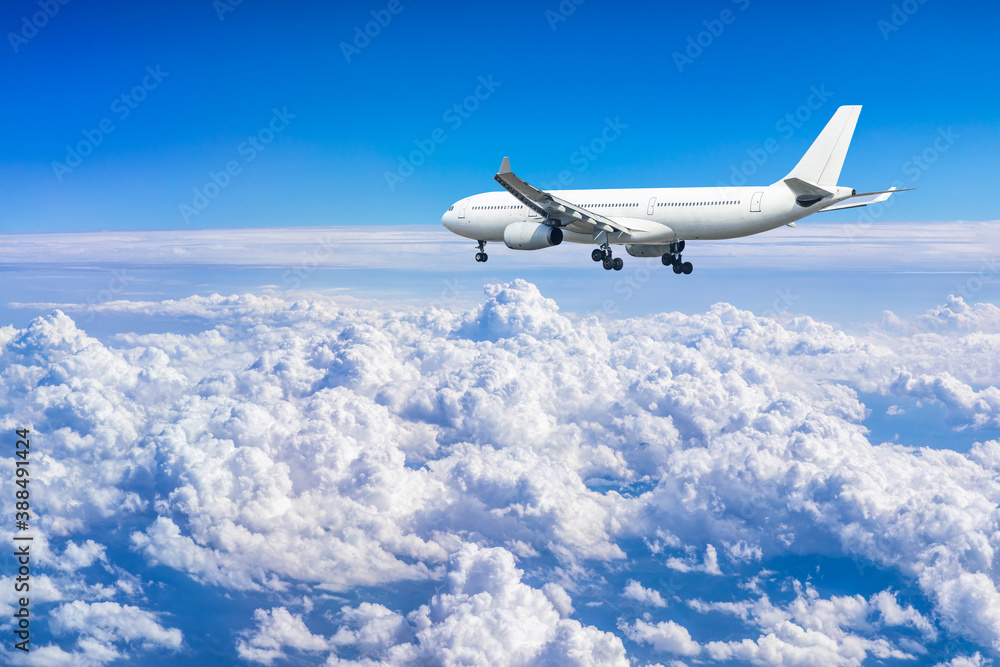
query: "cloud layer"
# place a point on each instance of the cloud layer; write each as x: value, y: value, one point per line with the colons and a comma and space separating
x: 514, y: 461
x: 881, y: 246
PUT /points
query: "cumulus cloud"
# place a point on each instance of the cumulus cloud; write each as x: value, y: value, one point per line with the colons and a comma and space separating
x: 709, y: 565
x: 636, y: 591
x: 486, y: 615
x: 76, y: 556
x: 810, y: 630
x: 277, y: 629
x: 105, y: 632
x: 516, y: 456
x: 666, y: 637
x: 372, y: 629
x: 955, y: 315
x: 965, y: 405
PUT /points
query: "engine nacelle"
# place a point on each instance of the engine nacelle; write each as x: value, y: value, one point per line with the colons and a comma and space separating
x: 531, y: 236
x: 637, y: 250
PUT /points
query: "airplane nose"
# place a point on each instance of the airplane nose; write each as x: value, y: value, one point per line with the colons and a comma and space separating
x: 448, y: 219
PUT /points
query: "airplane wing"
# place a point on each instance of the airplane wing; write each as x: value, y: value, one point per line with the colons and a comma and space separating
x: 572, y: 217
x: 864, y: 198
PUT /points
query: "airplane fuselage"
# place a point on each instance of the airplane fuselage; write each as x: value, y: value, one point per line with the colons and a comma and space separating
x: 658, y: 215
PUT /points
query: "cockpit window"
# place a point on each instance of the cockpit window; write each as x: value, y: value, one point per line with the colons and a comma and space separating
x: 451, y: 208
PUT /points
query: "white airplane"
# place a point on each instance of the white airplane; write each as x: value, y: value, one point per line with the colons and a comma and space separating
x: 656, y: 222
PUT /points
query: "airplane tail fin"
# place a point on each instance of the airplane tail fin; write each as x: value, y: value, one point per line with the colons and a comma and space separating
x: 823, y: 161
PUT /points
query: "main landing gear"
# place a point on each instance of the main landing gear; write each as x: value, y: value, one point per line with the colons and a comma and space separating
x: 603, y: 255
x: 482, y: 256
x: 673, y: 258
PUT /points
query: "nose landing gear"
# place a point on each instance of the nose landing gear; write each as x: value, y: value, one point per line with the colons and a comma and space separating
x: 482, y: 256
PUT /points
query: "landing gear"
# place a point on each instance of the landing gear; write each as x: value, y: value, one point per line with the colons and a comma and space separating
x: 673, y: 258
x: 604, y: 256
x: 683, y: 267
x: 482, y: 256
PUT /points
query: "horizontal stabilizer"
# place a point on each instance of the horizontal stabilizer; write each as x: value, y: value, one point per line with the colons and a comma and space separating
x: 865, y: 198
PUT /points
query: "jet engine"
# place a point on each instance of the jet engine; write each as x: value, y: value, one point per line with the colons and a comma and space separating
x: 526, y: 235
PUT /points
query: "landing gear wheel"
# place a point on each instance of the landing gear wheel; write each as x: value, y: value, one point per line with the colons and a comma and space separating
x: 687, y: 268
x: 597, y: 255
x: 481, y: 255
x: 617, y: 264
x: 668, y: 260
x: 678, y: 268
x: 485, y: 257
x: 608, y: 263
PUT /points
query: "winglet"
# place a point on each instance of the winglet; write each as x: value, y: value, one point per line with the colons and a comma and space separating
x: 505, y: 166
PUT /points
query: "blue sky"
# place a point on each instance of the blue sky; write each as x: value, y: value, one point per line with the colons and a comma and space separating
x: 334, y: 436
x: 558, y: 81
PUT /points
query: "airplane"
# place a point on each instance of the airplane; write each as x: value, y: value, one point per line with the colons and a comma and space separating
x: 656, y: 222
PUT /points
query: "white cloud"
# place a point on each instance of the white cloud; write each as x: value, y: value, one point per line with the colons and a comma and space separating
x: 104, y: 629
x: 488, y: 616
x: 77, y: 556
x: 559, y: 598
x: 636, y: 591
x: 974, y: 660
x: 485, y: 615
x: 964, y: 404
x: 371, y: 628
x: 666, y: 637
x: 708, y: 565
x: 899, y: 246
x: 744, y: 552
x: 840, y: 630
x: 892, y: 613
x: 277, y: 629
x: 321, y: 443
x: 955, y: 315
